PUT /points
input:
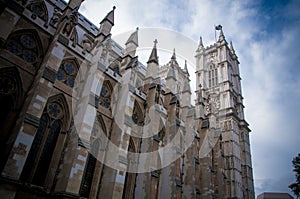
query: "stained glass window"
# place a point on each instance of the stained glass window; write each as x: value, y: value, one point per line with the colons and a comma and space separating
x: 105, y: 94
x: 14, y: 47
x: 23, y: 46
x: 27, y: 41
x: 42, y: 149
x: 89, y: 171
x: 116, y: 69
x: 35, y: 147
x: 67, y: 72
x: 137, y: 115
x: 55, y: 110
x: 39, y: 9
x: 47, y: 153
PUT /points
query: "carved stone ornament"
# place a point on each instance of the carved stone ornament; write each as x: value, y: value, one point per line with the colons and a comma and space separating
x: 105, y: 51
x: 88, y: 43
x: 55, y: 17
x: 71, y: 22
x: 55, y: 111
x: 7, y: 86
x: 212, y: 104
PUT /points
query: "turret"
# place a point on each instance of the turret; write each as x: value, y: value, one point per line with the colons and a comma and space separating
x: 200, y: 46
x: 107, y: 23
x: 221, y: 36
x: 186, y: 91
x: 132, y: 43
x: 152, y: 63
x: 171, y: 80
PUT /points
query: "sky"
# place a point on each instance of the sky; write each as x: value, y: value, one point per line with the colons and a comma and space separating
x: 265, y: 35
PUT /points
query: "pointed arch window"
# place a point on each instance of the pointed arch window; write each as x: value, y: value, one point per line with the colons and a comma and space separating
x: 137, y: 114
x: 39, y: 9
x: 67, y: 72
x: 129, y: 184
x: 212, y: 75
x: 105, y: 95
x: 98, y: 131
x: 24, y: 46
x: 90, y: 169
x: 42, y: 149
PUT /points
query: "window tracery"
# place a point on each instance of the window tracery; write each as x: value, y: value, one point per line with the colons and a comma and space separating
x: 24, y: 46
x: 67, y: 72
x: 137, y: 115
x: 90, y: 169
x: 105, y: 95
x: 44, y: 143
x: 38, y: 9
x: 212, y: 75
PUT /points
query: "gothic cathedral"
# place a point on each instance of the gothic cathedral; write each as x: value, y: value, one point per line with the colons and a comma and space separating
x: 82, y: 117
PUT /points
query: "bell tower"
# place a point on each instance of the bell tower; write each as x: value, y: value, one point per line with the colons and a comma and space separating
x: 219, y: 85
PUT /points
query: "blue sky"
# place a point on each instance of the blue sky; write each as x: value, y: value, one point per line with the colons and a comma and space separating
x: 265, y: 35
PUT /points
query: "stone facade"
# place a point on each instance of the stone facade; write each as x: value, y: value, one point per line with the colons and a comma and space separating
x: 76, y: 108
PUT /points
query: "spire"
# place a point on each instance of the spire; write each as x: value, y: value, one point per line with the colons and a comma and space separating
x: 171, y: 72
x: 200, y: 46
x: 133, y: 38
x: 109, y: 17
x: 153, y: 57
x: 221, y: 37
x: 174, y: 55
x: 231, y: 48
x: 107, y: 23
x: 200, y: 43
x: 186, y: 69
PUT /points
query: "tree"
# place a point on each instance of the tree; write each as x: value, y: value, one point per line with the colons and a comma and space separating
x: 295, y: 187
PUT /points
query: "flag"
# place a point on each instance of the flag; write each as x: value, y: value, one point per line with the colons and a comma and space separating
x: 218, y: 27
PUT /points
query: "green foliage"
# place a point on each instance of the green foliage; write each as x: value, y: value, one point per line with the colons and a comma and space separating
x: 295, y: 187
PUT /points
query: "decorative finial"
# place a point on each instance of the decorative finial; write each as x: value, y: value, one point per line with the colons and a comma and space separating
x: 153, y: 56
x: 231, y: 46
x: 155, y: 42
x: 221, y: 37
x: 174, y: 55
x: 114, y: 7
x: 137, y: 28
x: 186, y: 68
x: 200, y: 42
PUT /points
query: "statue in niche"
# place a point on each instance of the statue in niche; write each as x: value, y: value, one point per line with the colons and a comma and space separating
x: 199, y: 94
x: 208, y: 105
x: 55, y: 17
x: 213, y: 104
x: 157, y: 94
